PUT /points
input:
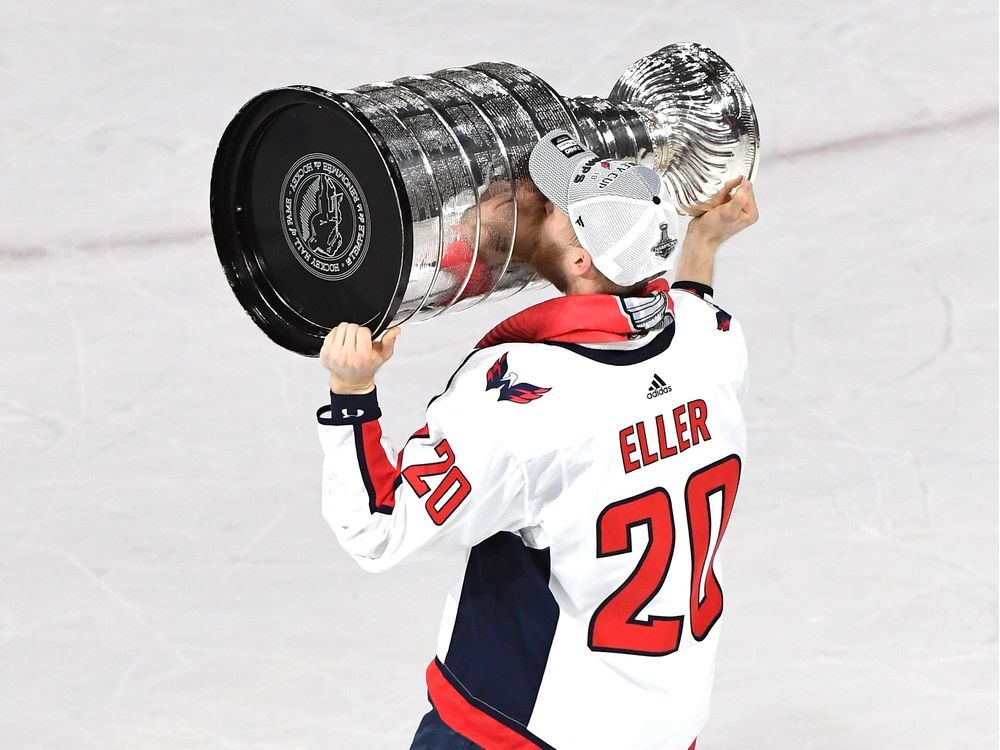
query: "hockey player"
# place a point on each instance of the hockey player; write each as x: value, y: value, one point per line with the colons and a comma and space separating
x: 586, y: 455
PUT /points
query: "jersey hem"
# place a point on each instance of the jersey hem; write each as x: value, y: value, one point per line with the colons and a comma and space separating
x: 474, y: 719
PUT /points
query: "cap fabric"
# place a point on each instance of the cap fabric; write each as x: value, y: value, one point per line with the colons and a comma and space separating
x: 621, y: 212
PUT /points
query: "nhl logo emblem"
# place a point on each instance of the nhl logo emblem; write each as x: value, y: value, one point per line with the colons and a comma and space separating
x: 325, y: 217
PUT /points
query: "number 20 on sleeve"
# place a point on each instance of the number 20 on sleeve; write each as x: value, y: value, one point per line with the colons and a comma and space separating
x: 454, y: 487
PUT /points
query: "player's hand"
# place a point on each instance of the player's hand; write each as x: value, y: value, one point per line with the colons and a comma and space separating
x: 353, y: 358
x: 726, y: 214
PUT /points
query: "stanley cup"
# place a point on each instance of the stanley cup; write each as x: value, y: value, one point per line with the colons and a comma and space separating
x: 395, y: 202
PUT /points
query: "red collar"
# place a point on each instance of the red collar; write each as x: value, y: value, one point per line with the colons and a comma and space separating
x: 588, y: 318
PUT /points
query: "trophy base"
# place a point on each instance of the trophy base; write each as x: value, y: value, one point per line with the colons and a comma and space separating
x: 293, y: 224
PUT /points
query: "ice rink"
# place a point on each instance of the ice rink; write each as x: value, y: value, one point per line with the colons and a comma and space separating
x: 166, y: 579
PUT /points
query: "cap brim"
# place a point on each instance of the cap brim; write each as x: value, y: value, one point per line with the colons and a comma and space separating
x: 552, y: 170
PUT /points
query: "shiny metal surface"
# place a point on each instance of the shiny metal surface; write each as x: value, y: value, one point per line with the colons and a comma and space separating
x: 425, y: 199
x: 464, y: 136
x: 699, y: 117
x: 457, y: 142
x: 522, y: 108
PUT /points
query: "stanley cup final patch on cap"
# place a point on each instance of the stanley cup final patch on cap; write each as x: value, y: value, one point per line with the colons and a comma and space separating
x: 666, y: 244
x: 625, y: 219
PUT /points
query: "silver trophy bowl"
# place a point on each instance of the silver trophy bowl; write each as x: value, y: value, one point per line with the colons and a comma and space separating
x: 396, y: 202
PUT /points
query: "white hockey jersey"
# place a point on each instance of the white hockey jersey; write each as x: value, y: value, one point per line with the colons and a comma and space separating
x: 591, y: 487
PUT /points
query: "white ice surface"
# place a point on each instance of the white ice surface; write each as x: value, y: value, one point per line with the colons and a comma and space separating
x: 166, y: 580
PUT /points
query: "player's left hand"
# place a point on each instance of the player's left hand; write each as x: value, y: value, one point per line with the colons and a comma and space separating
x: 353, y: 358
x: 728, y: 212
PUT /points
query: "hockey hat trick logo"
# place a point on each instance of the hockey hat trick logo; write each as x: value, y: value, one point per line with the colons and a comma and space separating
x: 325, y: 217
x: 621, y: 212
x: 510, y: 390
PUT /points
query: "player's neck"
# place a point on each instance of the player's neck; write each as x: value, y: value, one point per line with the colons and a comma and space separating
x: 590, y: 283
x: 553, y: 261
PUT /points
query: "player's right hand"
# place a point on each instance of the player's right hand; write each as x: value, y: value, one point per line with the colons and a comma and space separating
x: 353, y: 358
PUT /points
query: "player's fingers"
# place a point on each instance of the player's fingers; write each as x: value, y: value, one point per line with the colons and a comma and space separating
x: 732, y: 210
x: 363, y: 345
x: 351, y: 340
x: 724, y: 194
x: 388, y: 343
x: 742, y: 197
x: 329, y: 339
x: 338, y: 339
x: 332, y: 347
x: 750, y: 214
x: 352, y: 357
x: 326, y: 351
x: 343, y: 344
x: 753, y: 201
x: 733, y: 183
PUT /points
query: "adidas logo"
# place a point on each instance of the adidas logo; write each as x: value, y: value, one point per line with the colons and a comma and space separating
x: 658, y: 387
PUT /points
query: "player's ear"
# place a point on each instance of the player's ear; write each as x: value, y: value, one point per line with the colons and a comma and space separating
x: 578, y: 261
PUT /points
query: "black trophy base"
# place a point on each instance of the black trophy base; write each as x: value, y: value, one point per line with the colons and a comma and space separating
x: 310, y: 218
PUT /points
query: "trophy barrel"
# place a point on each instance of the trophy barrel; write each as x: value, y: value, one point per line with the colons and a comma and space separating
x: 386, y: 203
x: 293, y: 165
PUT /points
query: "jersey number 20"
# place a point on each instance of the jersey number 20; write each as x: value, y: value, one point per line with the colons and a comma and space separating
x: 449, y: 493
x: 616, y: 626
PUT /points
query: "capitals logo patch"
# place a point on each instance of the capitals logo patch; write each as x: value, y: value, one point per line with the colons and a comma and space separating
x: 510, y: 389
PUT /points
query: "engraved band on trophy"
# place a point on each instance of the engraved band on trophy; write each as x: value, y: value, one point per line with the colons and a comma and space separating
x: 396, y: 202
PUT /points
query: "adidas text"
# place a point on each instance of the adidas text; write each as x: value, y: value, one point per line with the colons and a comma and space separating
x: 657, y: 387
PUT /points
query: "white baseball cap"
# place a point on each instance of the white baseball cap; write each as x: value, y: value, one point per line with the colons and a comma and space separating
x: 621, y: 212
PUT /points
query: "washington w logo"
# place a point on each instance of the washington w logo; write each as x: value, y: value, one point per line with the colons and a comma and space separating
x: 510, y: 389
x: 658, y: 387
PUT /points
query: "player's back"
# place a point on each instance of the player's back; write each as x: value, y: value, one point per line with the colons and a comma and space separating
x: 613, y: 596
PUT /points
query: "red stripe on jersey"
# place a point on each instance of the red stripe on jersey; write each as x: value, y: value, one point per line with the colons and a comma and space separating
x: 470, y: 721
x: 383, y: 474
x: 576, y: 318
x: 422, y: 434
